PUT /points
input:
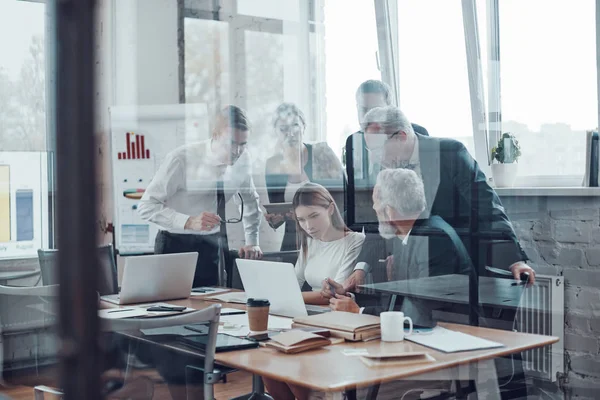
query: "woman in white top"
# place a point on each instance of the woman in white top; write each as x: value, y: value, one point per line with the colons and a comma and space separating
x: 328, y: 249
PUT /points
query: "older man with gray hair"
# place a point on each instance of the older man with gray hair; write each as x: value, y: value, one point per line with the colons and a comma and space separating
x: 422, y: 246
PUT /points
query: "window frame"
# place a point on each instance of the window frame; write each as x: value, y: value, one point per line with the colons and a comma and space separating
x: 48, y: 188
x: 310, y: 21
x: 487, y: 120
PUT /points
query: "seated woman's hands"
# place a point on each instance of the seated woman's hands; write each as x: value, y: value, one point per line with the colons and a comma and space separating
x: 344, y: 303
x: 329, y: 286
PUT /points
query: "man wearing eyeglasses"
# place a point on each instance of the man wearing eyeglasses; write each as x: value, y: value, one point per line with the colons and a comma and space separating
x: 455, y: 187
x: 187, y: 197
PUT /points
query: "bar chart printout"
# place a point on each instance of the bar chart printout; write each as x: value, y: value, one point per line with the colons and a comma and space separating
x: 24, y: 206
x: 135, y: 148
x: 4, y: 203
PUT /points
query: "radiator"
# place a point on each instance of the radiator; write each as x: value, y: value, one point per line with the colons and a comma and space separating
x: 541, y: 311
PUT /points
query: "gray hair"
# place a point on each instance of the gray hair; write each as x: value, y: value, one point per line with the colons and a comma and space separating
x: 390, y: 118
x: 401, y: 189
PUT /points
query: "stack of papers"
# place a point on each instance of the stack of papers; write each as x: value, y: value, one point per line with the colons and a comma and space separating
x: 233, y: 297
x: 122, y: 312
x: 448, y: 341
x: 237, y: 325
x: 207, y: 291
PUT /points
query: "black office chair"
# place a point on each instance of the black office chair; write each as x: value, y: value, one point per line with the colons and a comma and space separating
x: 48, y: 259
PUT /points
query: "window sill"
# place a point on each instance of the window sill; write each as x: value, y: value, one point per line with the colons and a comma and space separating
x: 549, y: 191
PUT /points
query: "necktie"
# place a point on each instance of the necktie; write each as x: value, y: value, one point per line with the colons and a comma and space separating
x: 221, y: 207
x: 223, y: 242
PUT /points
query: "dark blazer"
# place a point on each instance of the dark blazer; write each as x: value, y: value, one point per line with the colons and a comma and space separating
x: 456, y: 190
x: 433, y: 248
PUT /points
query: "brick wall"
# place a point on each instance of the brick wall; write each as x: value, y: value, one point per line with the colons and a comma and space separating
x: 561, y: 236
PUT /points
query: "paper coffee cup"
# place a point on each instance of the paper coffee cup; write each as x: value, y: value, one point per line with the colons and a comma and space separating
x: 258, y: 314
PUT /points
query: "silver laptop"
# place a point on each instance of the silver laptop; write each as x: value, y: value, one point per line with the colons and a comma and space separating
x: 156, y: 277
x: 277, y: 282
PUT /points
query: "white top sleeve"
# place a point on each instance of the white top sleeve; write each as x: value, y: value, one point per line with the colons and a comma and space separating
x: 300, y: 268
x: 167, y: 181
x: 349, y: 260
x: 252, y: 213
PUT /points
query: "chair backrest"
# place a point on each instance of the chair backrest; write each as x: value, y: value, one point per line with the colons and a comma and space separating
x: 48, y: 259
x: 209, y: 315
x: 107, y: 284
x: 28, y: 327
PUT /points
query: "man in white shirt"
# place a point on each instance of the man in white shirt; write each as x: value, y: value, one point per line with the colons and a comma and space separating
x: 187, y: 197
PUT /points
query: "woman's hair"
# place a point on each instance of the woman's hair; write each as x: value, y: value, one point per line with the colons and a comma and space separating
x: 312, y: 194
x: 287, y: 109
x: 230, y: 116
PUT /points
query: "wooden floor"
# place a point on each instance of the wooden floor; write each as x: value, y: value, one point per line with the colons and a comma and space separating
x: 238, y: 383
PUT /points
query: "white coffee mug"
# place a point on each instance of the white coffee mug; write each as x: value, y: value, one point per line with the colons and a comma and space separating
x: 392, y: 326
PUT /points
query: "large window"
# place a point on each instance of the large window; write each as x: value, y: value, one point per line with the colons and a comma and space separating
x: 350, y: 59
x: 23, y: 160
x: 433, y: 75
x: 548, y: 81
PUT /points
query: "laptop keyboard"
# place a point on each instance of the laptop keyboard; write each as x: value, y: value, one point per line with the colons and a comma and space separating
x: 313, y: 310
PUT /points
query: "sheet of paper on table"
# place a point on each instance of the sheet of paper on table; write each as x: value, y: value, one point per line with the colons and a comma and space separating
x: 237, y: 325
x: 208, y: 291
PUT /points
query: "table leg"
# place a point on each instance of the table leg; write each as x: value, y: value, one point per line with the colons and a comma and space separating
x: 392, y: 302
x: 486, y: 380
x: 350, y: 394
x: 258, y: 390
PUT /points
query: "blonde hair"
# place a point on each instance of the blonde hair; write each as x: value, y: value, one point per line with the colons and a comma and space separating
x: 230, y: 116
x: 313, y: 194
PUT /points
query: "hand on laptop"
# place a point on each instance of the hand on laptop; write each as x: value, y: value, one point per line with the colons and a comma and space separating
x: 251, y: 252
x: 328, y: 286
x: 344, y: 303
x: 204, y: 222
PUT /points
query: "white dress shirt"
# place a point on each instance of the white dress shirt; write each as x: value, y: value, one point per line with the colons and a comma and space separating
x: 185, y: 185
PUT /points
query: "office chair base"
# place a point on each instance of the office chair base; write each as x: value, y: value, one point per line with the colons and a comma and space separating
x: 254, y: 396
x: 258, y: 391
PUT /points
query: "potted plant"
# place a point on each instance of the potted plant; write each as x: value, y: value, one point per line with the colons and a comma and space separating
x: 504, y: 160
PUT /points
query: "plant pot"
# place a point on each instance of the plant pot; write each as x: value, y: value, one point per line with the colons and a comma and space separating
x: 505, y: 174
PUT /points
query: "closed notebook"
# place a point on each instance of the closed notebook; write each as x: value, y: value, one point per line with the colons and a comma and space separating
x: 396, y: 359
x: 296, y: 341
x: 350, y: 326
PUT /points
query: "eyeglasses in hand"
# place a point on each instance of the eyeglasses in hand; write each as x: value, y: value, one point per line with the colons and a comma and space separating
x: 236, y: 220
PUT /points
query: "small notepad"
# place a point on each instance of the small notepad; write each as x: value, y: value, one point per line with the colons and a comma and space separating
x: 448, y: 341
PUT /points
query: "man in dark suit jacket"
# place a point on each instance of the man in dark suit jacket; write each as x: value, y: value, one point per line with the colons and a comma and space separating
x: 455, y: 188
x: 421, y: 246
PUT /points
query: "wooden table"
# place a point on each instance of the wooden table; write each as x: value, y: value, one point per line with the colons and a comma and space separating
x: 493, y: 292
x: 328, y: 370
